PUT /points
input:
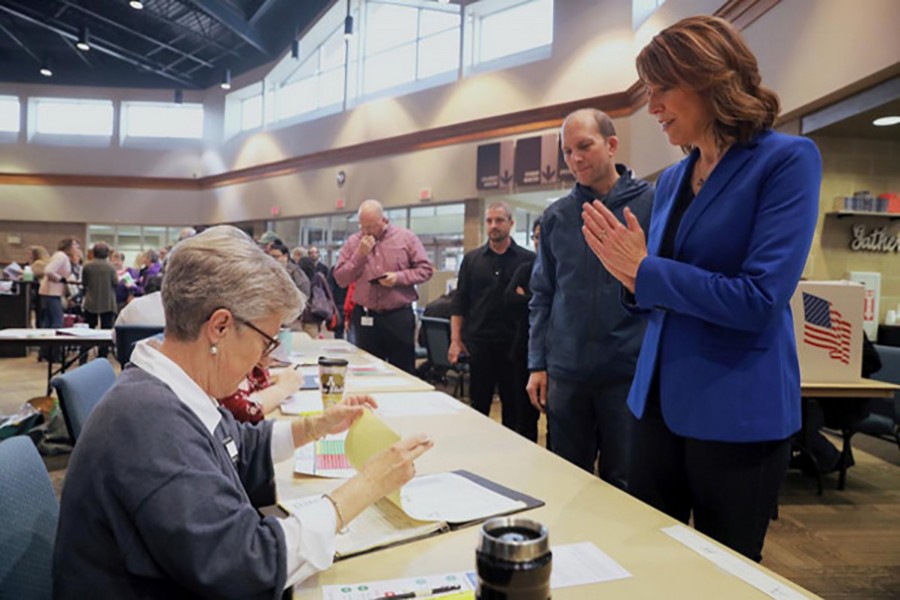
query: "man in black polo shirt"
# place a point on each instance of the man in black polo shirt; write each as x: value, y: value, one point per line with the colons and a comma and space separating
x: 481, y: 324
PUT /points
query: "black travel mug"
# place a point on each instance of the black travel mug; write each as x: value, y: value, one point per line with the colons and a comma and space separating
x: 514, y: 560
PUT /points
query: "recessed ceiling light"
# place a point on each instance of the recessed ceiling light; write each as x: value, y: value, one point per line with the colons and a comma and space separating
x: 885, y: 121
x: 136, y: 4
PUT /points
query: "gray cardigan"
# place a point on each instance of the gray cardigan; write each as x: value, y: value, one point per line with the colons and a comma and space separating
x: 154, y: 507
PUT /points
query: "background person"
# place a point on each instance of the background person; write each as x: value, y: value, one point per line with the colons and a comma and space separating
x: 386, y: 262
x: 157, y: 501
x: 583, y: 346
x: 261, y: 392
x: 516, y: 297
x: 53, y: 285
x: 482, y: 326
x: 717, y: 386
x: 100, y: 281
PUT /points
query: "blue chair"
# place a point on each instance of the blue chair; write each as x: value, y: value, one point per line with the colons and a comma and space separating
x: 884, y: 413
x: 28, y: 517
x: 80, y: 390
x: 128, y: 335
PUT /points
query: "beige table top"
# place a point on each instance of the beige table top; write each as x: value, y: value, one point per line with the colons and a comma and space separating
x: 307, y: 350
x: 579, y: 507
x: 862, y: 388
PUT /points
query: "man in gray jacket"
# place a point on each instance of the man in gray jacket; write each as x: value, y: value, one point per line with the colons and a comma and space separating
x: 583, y: 345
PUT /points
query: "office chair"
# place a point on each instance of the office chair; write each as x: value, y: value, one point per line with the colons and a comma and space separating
x: 80, y: 390
x: 881, y: 417
x: 128, y: 335
x: 28, y: 517
x: 884, y: 415
x: 437, y: 343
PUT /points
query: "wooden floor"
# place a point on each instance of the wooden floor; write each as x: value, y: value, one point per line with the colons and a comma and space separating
x: 842, y: 545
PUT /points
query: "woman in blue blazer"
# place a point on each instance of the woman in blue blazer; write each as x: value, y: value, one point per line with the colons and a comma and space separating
x: 717, y: 386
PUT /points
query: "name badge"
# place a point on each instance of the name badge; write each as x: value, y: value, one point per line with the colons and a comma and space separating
x: 232, y: 449
x: 366, y: 321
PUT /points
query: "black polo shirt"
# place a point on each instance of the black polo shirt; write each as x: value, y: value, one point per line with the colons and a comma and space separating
x: 483, y: 277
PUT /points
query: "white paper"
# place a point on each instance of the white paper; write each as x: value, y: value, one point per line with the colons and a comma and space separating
x: 573, y: 564
x: 369, y: 590
x: 582, y: 564
x: 369, y: 369
x: 370, y: 383
x: 732, y: 564
x: 405, y: 404
x: 452, y: 498
x: 85, y: 332
x: 302, y: 403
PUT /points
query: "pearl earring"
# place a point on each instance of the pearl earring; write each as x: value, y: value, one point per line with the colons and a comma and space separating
x: 213, y: 350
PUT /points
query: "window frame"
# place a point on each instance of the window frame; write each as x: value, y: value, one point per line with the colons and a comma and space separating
x: 70, y: 139
x: 358, y: 62
x: 12, y: 134
x: 473, y: 16
x: 143, y: 141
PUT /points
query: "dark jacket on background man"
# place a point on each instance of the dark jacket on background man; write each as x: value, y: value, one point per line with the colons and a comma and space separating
x: 482, y: 280
x: 579, y: 329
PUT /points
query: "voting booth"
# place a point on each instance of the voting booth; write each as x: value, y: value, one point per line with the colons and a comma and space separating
x: 828, y: 325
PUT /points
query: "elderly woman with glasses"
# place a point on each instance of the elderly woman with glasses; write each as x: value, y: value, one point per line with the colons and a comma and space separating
x: 161, y: 489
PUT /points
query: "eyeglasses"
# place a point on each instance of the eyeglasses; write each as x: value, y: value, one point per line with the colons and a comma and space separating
x: 271, y: 343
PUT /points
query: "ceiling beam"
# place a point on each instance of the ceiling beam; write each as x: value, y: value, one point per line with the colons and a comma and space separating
x: 19, y: 42
x: 102, y: 47
x: 137, y: 34
x: 232, y: 20
x: 262, y: 10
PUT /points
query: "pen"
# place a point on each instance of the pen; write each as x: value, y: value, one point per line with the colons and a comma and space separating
x: 421, y: 593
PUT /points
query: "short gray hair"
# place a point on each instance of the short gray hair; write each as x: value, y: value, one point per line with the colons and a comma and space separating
x: 223, y: 268
x: 500, y: 205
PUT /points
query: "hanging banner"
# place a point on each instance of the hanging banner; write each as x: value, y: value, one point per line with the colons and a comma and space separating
x: 494, y: 168
x: 528, y: 161
x: 563, y: 172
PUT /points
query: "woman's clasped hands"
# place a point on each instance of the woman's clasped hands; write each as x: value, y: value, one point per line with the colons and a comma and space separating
x: 620, y: 248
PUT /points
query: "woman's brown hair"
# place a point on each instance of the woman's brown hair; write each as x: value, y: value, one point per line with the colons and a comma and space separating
x: 708, y: 55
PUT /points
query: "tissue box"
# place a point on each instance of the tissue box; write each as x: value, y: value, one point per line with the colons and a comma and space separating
x: 828, y: 325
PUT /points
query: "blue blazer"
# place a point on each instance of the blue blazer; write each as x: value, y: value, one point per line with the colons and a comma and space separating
x: 720, y: 326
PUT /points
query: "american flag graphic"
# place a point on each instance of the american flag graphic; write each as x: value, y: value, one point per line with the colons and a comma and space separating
x: 825, y: 327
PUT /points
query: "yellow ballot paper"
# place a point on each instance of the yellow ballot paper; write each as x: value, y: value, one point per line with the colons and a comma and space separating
x: 430, y: 503
x: 366, y: 438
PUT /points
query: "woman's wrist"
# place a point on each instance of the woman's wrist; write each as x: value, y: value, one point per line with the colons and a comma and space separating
x: 312, y: 429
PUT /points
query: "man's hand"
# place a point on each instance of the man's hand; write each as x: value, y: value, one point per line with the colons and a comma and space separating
x: 366, y: 243
x: 456, y: 348
x: 537, y: 390
x: 388, y: 280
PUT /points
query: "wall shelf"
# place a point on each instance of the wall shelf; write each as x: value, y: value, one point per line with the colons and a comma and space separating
x: 843, y: 214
